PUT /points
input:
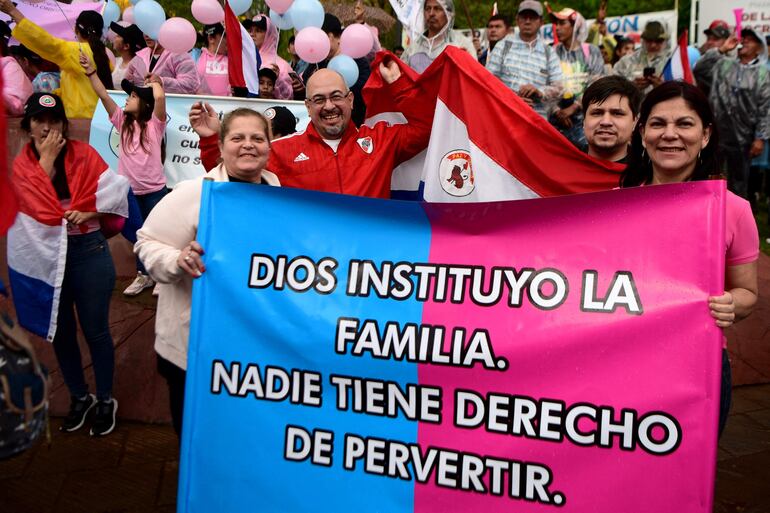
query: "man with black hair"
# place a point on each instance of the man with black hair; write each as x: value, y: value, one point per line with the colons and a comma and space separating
x: 497, y: 29
x: 611, y: 106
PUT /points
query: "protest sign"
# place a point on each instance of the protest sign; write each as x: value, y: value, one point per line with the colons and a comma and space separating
x: 56, y: 18
x: 744, y: 13
x: 182, y: 154
x: 353, y: 354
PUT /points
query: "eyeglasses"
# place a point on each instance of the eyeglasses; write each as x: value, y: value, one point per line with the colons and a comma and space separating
x: 336, y: 99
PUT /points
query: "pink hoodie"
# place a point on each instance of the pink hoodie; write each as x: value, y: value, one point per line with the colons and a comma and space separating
x: 16, y: 86
x: 178, y: 72
x: 269, y: 55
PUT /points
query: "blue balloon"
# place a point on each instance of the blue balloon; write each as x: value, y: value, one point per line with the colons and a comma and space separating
x: 149, y: 16
x: 111, y: 13
x: 346, y: 67
x: 306, y: 13
x: 239, y: 6
x: 282, y: 21
x: 134, y: 2
x: 693, y: 54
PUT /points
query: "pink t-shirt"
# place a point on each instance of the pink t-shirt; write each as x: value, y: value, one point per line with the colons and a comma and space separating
x: 213, y: 69
x: 741, y: 235
x: 143, y: 169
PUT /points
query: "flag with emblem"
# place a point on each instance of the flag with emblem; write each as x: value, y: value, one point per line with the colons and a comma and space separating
x: 486, y: 144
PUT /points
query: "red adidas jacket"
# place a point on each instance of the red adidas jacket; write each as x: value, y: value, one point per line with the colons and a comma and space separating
x: 365, y: 158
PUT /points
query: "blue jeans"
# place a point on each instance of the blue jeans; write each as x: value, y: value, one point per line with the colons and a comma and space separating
x: 89, y: 278
x: 146, y: 203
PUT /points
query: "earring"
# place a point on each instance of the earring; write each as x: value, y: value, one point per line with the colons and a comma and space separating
x: 700, y: 161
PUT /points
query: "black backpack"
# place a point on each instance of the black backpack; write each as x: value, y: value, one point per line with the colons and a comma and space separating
x: 23, y: 391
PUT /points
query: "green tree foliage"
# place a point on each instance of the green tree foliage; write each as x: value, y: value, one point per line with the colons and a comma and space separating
x: 480, y: 11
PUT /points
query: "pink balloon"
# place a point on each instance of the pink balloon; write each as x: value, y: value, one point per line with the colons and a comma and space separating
x: 356, y: 41
x: 207, y: 12
x: 279, y: 6
x: 128, y: 14
x: 312, y: 44
x: 177, y: 35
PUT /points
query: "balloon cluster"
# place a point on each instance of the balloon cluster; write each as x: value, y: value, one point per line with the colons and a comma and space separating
x: 306, y: 16
x: 312, y: 44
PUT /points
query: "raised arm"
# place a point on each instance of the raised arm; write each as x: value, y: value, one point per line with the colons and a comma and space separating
x: 159, y: 96
x: 101, y: 91
x: 413, y: 136
x: 34, y: 37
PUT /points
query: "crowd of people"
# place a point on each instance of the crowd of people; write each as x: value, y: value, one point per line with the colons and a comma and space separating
x: 604, y: 95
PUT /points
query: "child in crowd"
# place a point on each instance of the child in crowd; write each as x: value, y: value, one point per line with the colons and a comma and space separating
x: 128, y: 40
x: 267, y: 79
x: 142, y: 125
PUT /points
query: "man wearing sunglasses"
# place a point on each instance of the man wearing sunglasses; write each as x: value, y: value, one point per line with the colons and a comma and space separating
x: 331, y: 154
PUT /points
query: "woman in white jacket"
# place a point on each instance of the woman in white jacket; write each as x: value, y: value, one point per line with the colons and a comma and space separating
x: 166, y: 243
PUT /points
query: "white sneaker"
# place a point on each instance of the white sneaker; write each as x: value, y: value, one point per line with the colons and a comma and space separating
x: 141, y: 282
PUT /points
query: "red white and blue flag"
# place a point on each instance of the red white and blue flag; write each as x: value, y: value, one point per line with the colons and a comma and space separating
x: 678, y: 66
x: 486, y: 144
x: 37, y: 241
x: 241, y: 54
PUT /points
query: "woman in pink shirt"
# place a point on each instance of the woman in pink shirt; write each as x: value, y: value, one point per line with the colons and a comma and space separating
x: 142, y: 126
x: 16, y: 86
x: 212, y: 64
x: 677, y: 141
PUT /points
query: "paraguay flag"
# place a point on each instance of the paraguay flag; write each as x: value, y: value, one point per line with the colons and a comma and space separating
x: 37, y: 241
x: 486, y: 144
x: 241, y: 55
x: 678, y: 66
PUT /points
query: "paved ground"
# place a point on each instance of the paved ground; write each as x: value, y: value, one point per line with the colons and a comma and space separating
x: 134, y: 470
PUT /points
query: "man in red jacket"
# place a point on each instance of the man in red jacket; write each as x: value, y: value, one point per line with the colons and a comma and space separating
x: 332, y: 155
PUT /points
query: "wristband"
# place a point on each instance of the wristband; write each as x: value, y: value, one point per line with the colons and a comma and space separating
x: 89, y: 74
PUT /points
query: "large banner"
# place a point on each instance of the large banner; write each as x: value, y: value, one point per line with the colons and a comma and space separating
x: 182, y: 154
x: 351, y: 354
x: 746, y: 13
x: 56, y: 17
